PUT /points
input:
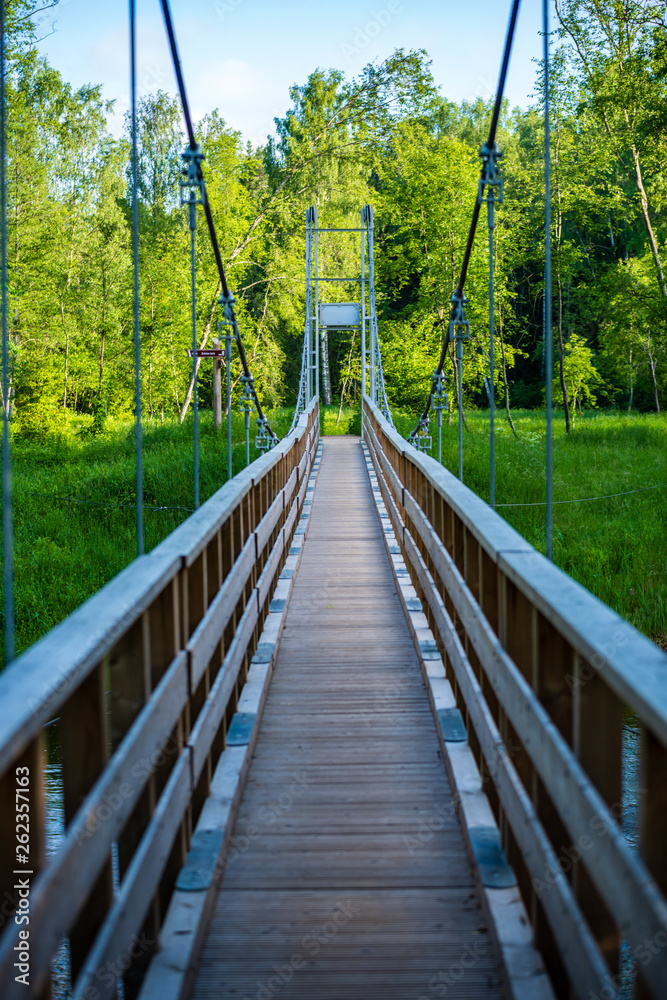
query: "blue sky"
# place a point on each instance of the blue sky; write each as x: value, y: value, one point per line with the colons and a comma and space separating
x: 241, y: 56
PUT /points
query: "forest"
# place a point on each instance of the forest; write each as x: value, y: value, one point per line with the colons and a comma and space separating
x: 387, y: 137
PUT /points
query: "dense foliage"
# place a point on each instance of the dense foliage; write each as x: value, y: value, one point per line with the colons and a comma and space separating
x: 389, y: 138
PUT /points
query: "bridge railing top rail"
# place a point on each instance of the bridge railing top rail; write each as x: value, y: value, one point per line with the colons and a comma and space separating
x: 140, y: 688
x: 41, y: 679
x: 543, y: 675
x: 630, y: 663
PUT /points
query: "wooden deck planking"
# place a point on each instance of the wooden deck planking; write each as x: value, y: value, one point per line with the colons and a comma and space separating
x: 348, y: 875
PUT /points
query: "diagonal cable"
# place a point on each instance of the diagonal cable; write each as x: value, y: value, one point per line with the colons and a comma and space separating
x: 226, y: 298
x: 457, y: 297
x: 7, y: 533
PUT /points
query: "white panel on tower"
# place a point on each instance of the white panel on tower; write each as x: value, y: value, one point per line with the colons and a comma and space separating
x: 339, y: 313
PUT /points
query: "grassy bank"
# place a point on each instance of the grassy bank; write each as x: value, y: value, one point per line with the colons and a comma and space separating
x: 616, y: 547
x: 74, y: 518
x: 74, y: 496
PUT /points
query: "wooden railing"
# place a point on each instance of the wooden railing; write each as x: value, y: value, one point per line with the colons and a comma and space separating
x: 134, y: 693
x: 545, y: 675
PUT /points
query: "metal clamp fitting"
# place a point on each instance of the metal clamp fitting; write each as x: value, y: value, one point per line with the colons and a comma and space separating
x: 192, y: 180
x: 459, y: 327
x: 491, y: 178
x: 227, y: 300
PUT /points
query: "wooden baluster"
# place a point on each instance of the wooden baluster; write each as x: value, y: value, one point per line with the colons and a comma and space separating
x: 227, y: 536
x: 518, y: 634
x: 164, y: 616
x: 213, y: 568
x: 597, y: 740
x: 130, y: 684
x: 197, y: 591
x: 488, y: 600
x: 653, y: 825
x: 83, y: 733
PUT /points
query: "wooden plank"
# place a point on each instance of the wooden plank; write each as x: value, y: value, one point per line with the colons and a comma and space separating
x: 371, y: 783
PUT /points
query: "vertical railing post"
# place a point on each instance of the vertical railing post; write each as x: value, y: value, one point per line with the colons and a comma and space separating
x: 228, y: 359
x: 547, y: 290
x: 7, y: 528
x: 317, y: 303
x: 82, y: 730
x: 363, y: 314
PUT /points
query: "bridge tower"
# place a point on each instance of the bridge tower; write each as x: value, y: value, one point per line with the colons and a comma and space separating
x: 323, y: 317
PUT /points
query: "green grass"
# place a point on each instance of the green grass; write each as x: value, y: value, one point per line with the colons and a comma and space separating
x: 65, y: 551
x: 617, y: 548
x: 349, y: 422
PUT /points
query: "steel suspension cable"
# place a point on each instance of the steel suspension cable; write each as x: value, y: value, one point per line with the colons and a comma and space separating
x: 458, y: 300
x: 7, y: 527
x: 193, y: 307
x: 226, y: 299
x: 135, y: 269
x: 547, y: 290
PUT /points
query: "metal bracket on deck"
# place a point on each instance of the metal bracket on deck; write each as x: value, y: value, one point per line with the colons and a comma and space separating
x: 264, y: 652
x: 429, y: 649
x: 494, y: 869
x: 452, y: 725
x: 240, y: 729
x: 202, y: 861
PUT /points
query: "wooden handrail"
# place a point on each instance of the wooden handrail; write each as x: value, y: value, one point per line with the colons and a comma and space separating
x: 544, y: 673
x: 140, y: 683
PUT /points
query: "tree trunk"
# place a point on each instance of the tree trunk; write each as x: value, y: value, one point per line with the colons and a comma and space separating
x: 173, y: 362
x: 62, y: 313
x: 324, y: 365
x: 456, y: 386
x: 104, y: 319
x: 651, y: 360
x: 632, y: 388
x: 502, y: 354
x: 346, y: 381
x: 561, y: 348
x: 643, y: 200
x: 150, y: 354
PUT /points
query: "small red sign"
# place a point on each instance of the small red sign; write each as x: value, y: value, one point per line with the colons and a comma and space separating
x: 207, y: 352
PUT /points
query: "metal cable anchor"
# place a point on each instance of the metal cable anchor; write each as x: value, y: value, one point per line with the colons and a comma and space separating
x: 440, y: 403
x: 264, y: 439
x: 227, y: 300
x: 245, y: 406
x: 192, y: 179
x: 491, y: 178
x: 420, y: 438
x: 459, y: 327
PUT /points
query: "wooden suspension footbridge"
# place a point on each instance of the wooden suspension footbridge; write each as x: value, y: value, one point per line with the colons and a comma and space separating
x: 343, y: 734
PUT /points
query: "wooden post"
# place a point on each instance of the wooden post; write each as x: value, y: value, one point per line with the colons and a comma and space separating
x: 217, y: 388
x: 597, y: 740
x: 83, y: 740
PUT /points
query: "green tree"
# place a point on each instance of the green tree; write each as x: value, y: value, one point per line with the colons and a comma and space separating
x: 581, y: 376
